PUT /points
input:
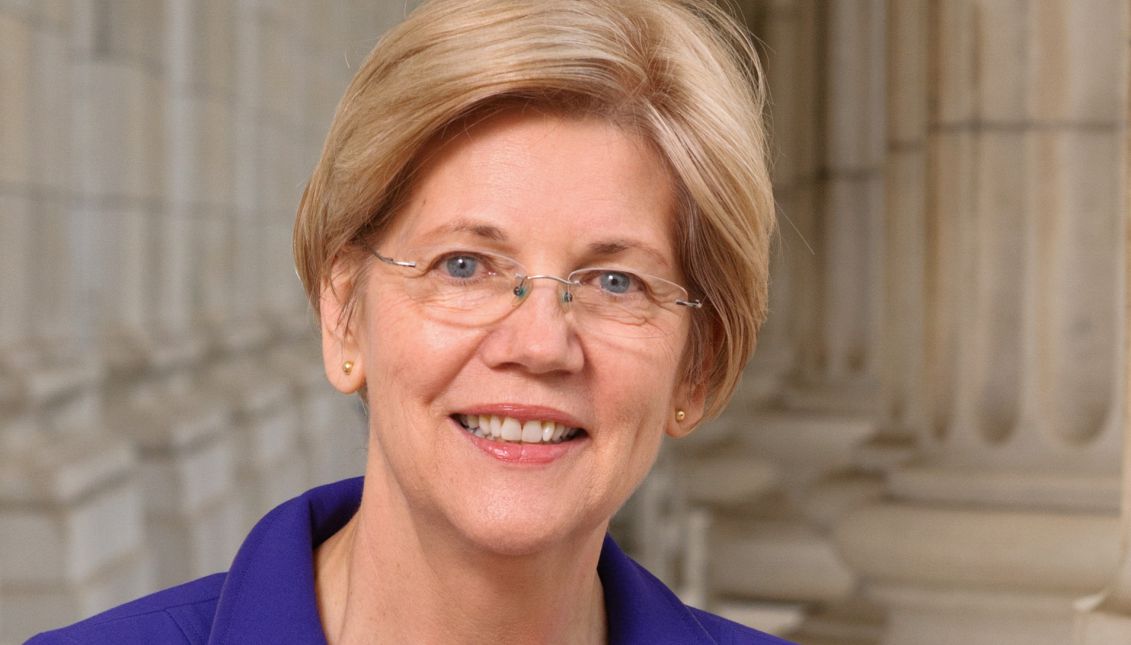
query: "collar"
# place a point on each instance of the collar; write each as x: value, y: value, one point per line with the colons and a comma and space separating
x: 268, y: 595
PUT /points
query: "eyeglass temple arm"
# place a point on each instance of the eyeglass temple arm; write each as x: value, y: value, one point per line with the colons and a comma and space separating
x: 694, y: 304
x: 387, y: 260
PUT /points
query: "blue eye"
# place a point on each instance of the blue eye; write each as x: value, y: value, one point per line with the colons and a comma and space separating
x: 616, y: 282
x: 461, y: 266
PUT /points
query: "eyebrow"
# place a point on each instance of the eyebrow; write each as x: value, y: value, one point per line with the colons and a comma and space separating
x: 479, y: 229
x: 608, y: 248
x: 602, y: 248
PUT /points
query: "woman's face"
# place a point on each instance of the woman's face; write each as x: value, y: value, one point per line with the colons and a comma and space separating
x: 555, y: 194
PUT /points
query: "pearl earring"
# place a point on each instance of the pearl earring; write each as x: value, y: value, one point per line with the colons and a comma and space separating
x: 680, y: 415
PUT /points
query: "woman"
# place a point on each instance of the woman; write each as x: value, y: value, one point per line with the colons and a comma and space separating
x: 536, y: 242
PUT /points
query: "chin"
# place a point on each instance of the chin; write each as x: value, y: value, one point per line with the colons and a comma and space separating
x: 510, y: 532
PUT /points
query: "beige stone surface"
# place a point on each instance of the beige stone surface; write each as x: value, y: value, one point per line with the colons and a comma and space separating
x: 981, y: 548
x: 37, y: 609
x: 1080, y: 67
x: 927, y: 450
x: 45, y: 545
x: 776, y: 559
x: 14, y: 108
x: 954, y: 62
x: 951, y: 616
x: 1004, y: 66
x: 188, y: 545
x: 15, y: 226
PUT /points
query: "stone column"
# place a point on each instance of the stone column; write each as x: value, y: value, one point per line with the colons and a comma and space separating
x: 832, y: 69
x: 331, y: 434
x: 147, y: 187
x: 1106, y: 617
x: 853, y: 209
x: 773, y: 362
x: 1011, y: 514
x: 179, y: 426
x: 69, y: 495
x: 776, y: 470
x: 269, y: 465
x: 15, y: 196
x: 903, y: 370
x: 839, y: 352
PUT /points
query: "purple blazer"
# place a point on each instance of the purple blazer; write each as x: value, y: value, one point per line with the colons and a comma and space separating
x: 268, y: 595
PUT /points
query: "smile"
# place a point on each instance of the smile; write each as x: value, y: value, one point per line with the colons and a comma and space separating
x: 509, y: 429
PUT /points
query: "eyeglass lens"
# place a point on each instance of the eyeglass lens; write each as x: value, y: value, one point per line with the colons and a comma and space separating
x: 475, y: 289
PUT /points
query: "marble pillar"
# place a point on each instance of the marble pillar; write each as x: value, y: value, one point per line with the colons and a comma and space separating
x: 763, y: 485
x: 1105, y: 617
x: 70, y: 510
x: 178, y: 425
x: 903, y: 372
x: 1010, y: 514
x: 156, y: 352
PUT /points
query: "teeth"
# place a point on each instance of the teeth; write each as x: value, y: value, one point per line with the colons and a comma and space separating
x: 532, y: 431
x: 510, y: 429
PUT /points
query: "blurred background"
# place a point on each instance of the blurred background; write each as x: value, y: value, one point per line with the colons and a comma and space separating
x: 927, y: 448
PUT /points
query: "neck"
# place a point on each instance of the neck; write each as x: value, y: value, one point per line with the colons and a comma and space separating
x: 388, y: 577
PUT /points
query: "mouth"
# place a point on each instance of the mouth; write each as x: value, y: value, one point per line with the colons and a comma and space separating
x: 504, y: 429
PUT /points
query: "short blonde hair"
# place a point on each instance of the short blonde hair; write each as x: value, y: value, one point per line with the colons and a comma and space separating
x: 681, y: 73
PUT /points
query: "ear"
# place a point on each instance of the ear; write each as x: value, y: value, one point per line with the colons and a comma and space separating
x: 691, y: 398
x: 341, y: 352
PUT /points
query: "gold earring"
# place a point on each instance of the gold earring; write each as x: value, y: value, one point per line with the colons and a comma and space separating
x: 680, y: 415
x: 347, y: 367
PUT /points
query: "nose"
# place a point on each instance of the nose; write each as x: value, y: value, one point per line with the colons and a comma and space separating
x: 537, y: 336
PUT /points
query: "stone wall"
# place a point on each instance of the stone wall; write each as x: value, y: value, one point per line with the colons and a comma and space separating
x: 160, y: 386
x: 929, y: 447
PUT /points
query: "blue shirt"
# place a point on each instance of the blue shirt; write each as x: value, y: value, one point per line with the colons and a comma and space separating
x: 268, y: 595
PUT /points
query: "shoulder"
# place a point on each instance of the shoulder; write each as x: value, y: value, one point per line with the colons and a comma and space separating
x: 642, y: 609
x: 181, y: 614
x: 727, y: 632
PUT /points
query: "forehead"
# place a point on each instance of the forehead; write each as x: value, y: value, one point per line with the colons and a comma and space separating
x: 521, y: 178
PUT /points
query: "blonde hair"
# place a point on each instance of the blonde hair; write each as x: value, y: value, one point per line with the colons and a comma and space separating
x: 681, y: 73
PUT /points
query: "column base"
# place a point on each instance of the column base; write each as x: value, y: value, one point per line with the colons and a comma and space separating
x: 784, y: 560
x: 725, y: 475
x: 1102, y: 628
x: 978, y: 576
x: 1042, y: 488
x: 955, y: 616
x: 28, y: 610
x: 854, y: 622
x: 73, y: 542
x: 806, y: 446
x: 850, y: 395
x: 770, y: 617
x: 270, y: 467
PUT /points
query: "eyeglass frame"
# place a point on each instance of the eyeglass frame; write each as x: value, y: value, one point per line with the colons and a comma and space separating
x: 522, y: 279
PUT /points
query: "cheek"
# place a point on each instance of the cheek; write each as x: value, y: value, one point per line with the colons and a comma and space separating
x: 641, y: 364
x: 408, y: 354
x: 637, y: 382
